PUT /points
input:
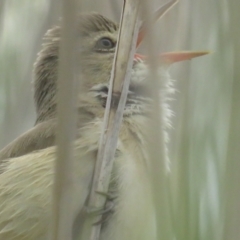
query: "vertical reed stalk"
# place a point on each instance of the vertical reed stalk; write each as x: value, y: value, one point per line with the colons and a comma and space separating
x: 67, y: 98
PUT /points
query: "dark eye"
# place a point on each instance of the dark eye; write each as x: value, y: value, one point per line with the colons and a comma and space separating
x: 105, y: 43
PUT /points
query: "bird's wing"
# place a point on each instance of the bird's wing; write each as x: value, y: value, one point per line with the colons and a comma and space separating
x: 39, y: 137
x: 26, y: 190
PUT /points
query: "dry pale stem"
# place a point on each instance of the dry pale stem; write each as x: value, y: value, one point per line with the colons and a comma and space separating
x: 119, y: 83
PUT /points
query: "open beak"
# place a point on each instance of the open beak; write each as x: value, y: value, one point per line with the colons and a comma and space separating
x: 168, y: 57
x: 158, y: 14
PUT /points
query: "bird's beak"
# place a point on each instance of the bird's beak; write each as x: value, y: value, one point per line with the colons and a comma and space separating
x: 169, y: 57
x: 172, y: 57
x: 158, y: 14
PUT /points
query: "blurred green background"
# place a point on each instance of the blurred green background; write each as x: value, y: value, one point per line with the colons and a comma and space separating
x: 204, y: 147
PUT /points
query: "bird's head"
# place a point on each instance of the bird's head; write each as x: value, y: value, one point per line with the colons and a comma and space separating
x: 96, y: 47
x: 97, y: 42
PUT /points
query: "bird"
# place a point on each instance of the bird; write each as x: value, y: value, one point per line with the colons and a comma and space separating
x: 42, y: 135
x: 26, y: 177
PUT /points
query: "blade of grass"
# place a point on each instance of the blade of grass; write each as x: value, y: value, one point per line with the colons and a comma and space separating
x: 157, y: 148
x: 231, y: 194
x: 67, y: 98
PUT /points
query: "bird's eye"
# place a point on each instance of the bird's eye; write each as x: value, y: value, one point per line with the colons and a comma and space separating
x: 105, y: 44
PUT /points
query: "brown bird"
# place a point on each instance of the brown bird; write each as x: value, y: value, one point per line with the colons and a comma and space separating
x: 26, y: 181
x: 97, y: 70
